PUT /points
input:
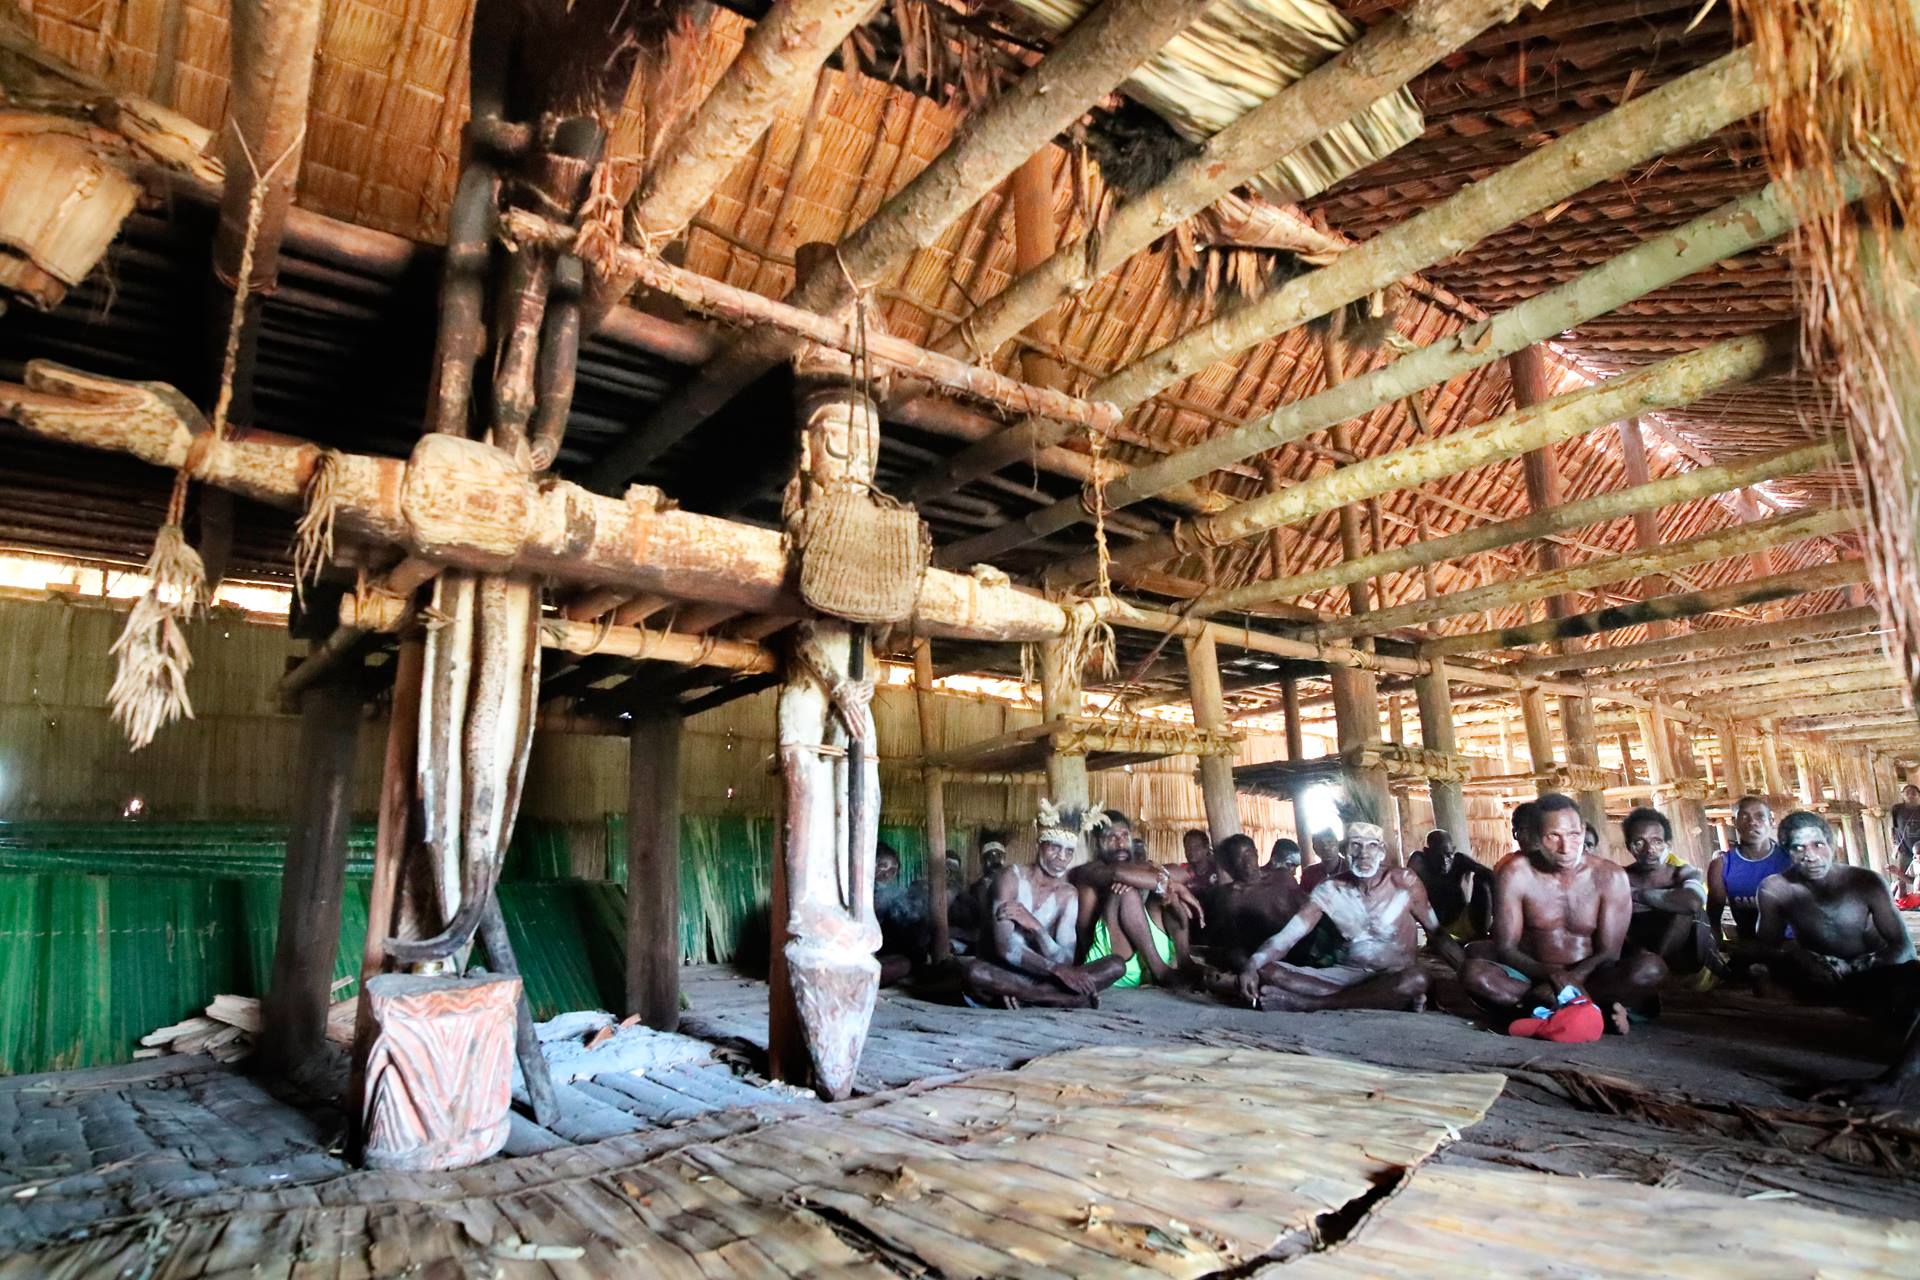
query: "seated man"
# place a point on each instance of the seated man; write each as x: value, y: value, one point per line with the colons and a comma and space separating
x: 1202, y: 869
x: 1133, y: 910
x: 1736, y: 873
x: 1374, y: 908
x: 1847, y: 944
x: 1247, y: 907
x: 1560, y: 920
x: 906, y: 931
x: 1027, y: 952
x: 1458, y: 885
x: 1328, y: 860
x: 1283, y: 862
x: 1669, y: 898
x: 968, y: 918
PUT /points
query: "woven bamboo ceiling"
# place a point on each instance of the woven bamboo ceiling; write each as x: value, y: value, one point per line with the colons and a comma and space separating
x: 382, y: 153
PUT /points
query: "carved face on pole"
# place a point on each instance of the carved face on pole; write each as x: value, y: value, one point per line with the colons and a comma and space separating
x: 1809, y: 842
x: 1563, y: 838
x: 1365, y: 848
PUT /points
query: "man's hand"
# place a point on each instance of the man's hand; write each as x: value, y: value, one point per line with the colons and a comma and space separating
x: 1073, y: 978
x: 1250, y: 985
x: 1017, y: 915
x: 1181, y: 896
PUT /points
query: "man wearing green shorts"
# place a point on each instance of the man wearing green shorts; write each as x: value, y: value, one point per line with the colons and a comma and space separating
x: 1137, y: 912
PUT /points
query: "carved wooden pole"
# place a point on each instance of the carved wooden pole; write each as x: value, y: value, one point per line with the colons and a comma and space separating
x: 653, y: 870
x: 1210, y: 713
x: 294, y: 1009
x: 1436, y: 734
x: 932, y: 742
x: 830, y: 772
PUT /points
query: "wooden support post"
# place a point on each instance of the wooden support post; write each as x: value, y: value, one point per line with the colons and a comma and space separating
x: 1656, y: 743
x: 1735, y: 782
x: 1356, y: 713
x: 1871, y: 819
x: 932, y: 742
x: 1210, y: 713
x: 1436, y: 734
x: 1067, y: 782
x: 391, y: 834
x: 1778, y: 794
x: 299, y: 991
x: 1689, y: 816
x: 1646, y: 525
x: 1583, y: 751
x: 1533, y: 713
x: 653, y: 870
x: 1296, y: 752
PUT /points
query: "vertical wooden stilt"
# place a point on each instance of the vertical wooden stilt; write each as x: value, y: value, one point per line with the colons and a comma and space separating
x: 653, y: 870
x: 1059, y: 699
x: 1583, y: 751
x: 389, y: 853
x: 1533, y: 712
x: 932, y: 742
x: 1210, y: 713
x: 1689, y: 816
x: 1735, y: 781
x: 1296, y: 752
x: 1436, y: 734
x: 294, y: 1010
x: 1779, y: 795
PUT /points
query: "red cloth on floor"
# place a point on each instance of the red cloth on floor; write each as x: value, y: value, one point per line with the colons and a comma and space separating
x: 1578, y: 1023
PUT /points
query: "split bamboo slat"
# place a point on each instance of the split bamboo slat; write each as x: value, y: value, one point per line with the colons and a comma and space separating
x: 1146, y: 1160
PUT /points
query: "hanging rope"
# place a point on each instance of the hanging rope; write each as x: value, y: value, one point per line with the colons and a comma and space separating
x: 151, y: 656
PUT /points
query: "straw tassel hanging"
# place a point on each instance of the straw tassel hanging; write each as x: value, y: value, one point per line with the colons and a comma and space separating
x: 151, y: 657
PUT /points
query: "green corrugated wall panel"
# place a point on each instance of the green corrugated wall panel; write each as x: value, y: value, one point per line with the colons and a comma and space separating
x: 564, y: 964
x: 79, y: 1024
x: 23, y: 949
x: 170, y: 944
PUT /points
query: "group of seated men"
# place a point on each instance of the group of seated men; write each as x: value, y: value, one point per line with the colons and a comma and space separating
x: 1553, y: 925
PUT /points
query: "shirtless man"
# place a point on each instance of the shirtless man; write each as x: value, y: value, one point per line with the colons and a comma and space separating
x: 1458, y: 886
x: 1136, y: 911
x: 1560, y: 920
x: 1848, y: 945
x: 1669, y: 898
x: 1375, y: 908
x: 1203, y: 868
x: 1905, y: 820
x: 1247, y: 907
x: 1283, y: 861
x: 1735, y: 875
x: 906, y: 932
x: 968, y: 918
x: 1029, y: 948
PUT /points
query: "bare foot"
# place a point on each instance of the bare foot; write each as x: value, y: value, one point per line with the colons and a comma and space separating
x: 1418, y: 1004
x: 1617, y: 1015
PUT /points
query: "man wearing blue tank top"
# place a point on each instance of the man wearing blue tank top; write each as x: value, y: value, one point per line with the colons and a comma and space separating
x: 1735, y: 875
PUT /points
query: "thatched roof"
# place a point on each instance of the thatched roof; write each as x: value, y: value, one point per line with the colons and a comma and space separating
x: 344, y: 357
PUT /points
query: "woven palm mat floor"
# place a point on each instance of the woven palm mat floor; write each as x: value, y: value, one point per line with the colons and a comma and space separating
x: 1098, y: 1162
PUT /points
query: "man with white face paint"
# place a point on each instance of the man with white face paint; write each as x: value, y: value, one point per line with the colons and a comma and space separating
x: 1375, y: 908
x: 1028, y: 948
x: 1560, y: 919
x: 1848, y: 946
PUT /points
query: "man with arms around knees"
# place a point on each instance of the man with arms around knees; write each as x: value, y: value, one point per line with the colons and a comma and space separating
x: 1374, y: 908
x: 1669, y: 898
x: 1136, y: 911
x: 1029, y: 945
x: 1560, y: 920
x: 1458, y: 886
x: 1829, y: 932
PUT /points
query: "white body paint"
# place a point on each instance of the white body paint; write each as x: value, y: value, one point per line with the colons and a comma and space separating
x: 1058, y: 914
x: 1372, y: 930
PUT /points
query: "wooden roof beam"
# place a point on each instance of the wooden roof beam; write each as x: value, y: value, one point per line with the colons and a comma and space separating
x: 1381, y: 61
x: 1843, y: 621
x: 1687, y: 604
x: 1677, y: 381
x: 1685, y: 487
x: 1687, y: 109
x: 1553, y: 583
x: 779, y: 60
x: 1100, y: 52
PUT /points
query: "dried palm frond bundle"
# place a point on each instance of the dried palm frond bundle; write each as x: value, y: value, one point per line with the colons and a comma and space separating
x: 1843, y: 79
x: 1236, y: 56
